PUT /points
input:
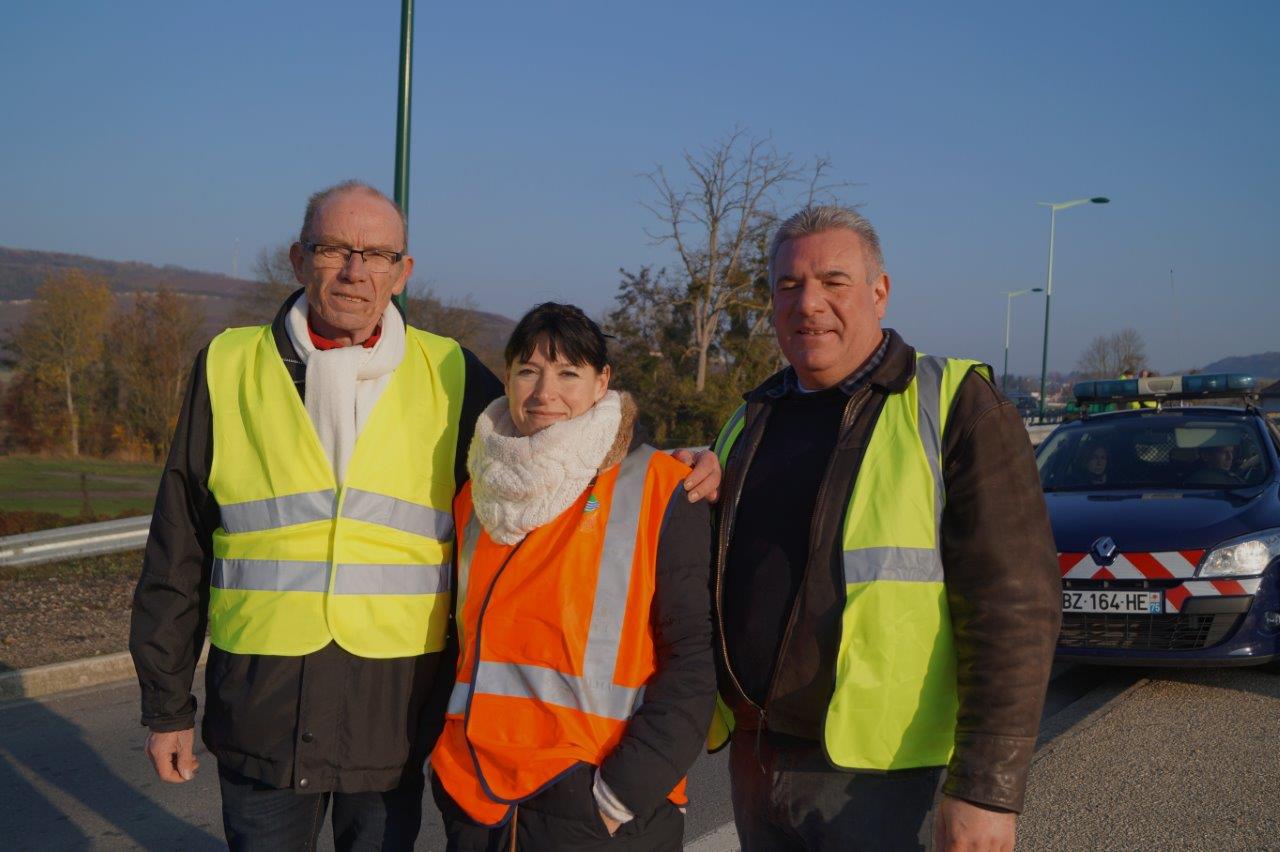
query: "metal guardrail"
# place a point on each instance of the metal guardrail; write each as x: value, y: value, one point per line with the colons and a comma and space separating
x: 38, y: 548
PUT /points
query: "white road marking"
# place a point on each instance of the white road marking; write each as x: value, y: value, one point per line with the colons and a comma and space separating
x: 723, y: 839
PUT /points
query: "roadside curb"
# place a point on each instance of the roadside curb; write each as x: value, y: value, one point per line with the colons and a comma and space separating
x: 43, y: 681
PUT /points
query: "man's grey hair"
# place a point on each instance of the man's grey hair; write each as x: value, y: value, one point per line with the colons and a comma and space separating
x: 820, y: 218
x: 316, y: 201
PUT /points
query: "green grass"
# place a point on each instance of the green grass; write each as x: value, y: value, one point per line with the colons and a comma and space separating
x: 43, y: 484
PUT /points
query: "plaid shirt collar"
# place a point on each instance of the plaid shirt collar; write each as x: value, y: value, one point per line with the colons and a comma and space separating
x: 790, y: 384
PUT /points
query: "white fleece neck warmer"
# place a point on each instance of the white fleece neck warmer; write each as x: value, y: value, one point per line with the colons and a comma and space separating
x: 518, y: 483
x: 344, y: 384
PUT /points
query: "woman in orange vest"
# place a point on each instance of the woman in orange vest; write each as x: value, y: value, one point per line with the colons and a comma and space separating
x: 585, y: 681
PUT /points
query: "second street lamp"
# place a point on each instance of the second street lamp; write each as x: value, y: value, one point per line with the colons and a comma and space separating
x: 1048, y: 287
x: 1008, y: 314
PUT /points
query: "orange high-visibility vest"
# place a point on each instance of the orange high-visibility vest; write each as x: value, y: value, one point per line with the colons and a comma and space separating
x: 554, y: 637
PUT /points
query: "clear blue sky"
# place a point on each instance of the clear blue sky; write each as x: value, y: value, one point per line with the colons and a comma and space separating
x: 163, y: 132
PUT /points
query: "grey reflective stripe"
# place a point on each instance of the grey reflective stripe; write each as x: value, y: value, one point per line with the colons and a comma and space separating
x: 458, y: 699
x: 270, y: 575
x: 374, y: 579
x: 466, y: 550
x: 613, y: 578
x: 928, y: 392
x: 274, y: 512
x: 726, y: 434
x: 893, y: 564
x: 549, y: 686
x: 912, y: 564
x: 594, y: 691
x: 398, y: 514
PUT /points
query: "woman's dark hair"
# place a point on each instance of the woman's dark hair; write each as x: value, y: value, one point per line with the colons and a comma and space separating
x: 566, y: 331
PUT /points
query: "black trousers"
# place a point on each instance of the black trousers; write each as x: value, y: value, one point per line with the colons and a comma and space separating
x: 259, y: 818
x: 562, y: 818
x: 788, y: 798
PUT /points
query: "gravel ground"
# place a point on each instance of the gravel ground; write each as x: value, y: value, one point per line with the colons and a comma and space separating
x: 51, y: 613
x: 1185, y: 760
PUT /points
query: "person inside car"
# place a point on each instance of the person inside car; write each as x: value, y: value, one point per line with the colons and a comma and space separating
x: 1093, y: 464
x: 1216, y: 466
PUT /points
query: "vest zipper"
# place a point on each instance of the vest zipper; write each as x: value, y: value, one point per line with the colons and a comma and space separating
x: 851, y: 410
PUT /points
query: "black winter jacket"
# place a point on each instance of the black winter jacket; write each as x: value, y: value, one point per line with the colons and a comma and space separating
x: 1000, y: 569
x: 323, y: 721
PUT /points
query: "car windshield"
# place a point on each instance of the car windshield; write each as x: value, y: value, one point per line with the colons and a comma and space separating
x: 1168, y: 452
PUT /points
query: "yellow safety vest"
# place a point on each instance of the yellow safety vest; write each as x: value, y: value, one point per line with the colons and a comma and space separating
x: 894, y: 703
x: 300, y: 561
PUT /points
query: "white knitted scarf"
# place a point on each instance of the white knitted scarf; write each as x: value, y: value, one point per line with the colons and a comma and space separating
x: 343, y: 385
x: 519, y: 483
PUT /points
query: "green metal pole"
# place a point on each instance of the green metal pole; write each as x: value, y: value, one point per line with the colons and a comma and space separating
x: 404, y: 103
x: 1048, y: 297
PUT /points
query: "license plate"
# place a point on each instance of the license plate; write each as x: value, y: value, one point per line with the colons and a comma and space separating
x: 1140, y: 603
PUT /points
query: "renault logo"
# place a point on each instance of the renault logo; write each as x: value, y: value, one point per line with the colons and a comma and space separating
x: 1104, y: 551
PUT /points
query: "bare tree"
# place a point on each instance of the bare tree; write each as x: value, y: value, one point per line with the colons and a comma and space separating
x: 449, y: 316
x: 1108, y: 355
x: 62, y: 339
x: 715, y: 220
x: 274, y: 281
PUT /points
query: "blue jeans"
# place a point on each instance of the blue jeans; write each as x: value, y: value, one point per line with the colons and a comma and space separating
x: 256, y: 816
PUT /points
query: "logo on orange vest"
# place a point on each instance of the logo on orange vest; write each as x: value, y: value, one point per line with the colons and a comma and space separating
x: 588, y: 522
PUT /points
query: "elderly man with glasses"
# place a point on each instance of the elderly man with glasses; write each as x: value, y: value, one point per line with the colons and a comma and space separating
x: 304, y: 519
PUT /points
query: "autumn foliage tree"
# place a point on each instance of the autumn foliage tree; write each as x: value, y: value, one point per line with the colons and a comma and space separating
x: 59, y: 347
x: 157, y: 339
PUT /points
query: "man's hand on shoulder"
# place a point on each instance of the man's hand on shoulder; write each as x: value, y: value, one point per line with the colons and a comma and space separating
x: 704, y: 481
x: 961, y: 826
x: 172, y: 755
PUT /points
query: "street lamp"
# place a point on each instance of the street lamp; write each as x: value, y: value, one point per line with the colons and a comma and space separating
x: 1048, y: 292
x: 1008, y: 313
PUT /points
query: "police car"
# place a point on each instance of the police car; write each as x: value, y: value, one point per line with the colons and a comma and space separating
x: 1166, y: 517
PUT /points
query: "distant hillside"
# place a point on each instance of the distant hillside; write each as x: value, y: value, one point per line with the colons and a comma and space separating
x: 21, y: 271
x: 1261, y: 365
x: 221, y: 298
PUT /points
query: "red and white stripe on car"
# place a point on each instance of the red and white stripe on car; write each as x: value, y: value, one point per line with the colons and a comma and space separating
x: 1170, y: 565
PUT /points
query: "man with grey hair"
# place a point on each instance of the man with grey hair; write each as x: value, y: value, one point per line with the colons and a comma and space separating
x: 303, y: 516
x: 886, y: 589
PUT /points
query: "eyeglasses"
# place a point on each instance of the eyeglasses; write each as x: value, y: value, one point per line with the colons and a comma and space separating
x: 336, y: 257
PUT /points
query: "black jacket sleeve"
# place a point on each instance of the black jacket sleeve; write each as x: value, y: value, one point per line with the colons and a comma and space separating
x: 667, y: 733
x: 1003, y: 590
x: 170, y: 602
x: 482, y: 388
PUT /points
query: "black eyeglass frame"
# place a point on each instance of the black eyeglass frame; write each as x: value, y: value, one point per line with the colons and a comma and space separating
x: 396, y: 256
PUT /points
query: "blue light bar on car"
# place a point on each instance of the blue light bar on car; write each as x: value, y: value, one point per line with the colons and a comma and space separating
x: 1165, y: 387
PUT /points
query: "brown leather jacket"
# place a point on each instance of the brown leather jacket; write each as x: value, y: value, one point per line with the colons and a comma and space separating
x: 1001, y: 577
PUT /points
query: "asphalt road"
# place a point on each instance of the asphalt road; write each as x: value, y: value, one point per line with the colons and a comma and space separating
x: 73, y: 775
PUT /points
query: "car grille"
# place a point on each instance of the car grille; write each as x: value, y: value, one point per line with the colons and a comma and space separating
x: 1181, y: 632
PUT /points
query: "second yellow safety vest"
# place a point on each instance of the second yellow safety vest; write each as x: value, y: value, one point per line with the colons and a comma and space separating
x: 894, y: 703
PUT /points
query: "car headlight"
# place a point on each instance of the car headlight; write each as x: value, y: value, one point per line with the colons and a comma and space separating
x: 1242, y: 557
